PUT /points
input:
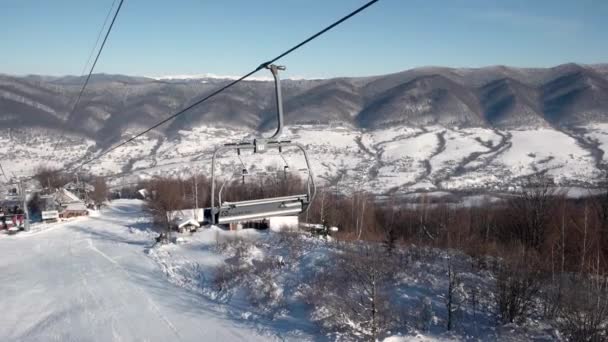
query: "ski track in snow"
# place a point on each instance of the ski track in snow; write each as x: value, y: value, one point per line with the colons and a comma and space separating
x: 90, y: 280
x: 152, y: 303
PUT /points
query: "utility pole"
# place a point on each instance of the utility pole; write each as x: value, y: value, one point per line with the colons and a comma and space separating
x: 78, y: 193
x: 81, y: 189
x: 195, y: 189
x: 26, y: 215
x: 195, y: 195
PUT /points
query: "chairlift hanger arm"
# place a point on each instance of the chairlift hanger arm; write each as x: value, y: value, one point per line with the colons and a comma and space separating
x: 274, y: 69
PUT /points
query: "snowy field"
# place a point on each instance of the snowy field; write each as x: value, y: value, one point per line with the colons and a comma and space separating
x: 101, y: 279
x: 399, y: 159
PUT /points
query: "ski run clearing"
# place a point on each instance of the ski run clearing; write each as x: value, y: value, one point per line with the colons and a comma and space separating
x: 101, y: 278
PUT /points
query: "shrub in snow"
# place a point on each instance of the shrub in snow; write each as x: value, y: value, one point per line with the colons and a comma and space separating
x: 247, y: 267
x: 425, y: 314
x: 237, y: 266
x: 583, y: 314
x: 455, y: 297
x: 351, y: 295
x: 517, y: 286
x: 292, y: 245
x: 226, y: 277
x: 263, y: 290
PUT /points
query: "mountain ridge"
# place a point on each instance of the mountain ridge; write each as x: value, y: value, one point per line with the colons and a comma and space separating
x: 494, y: 96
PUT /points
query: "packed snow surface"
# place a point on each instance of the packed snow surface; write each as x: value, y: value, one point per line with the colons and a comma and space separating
x: 90, y: 280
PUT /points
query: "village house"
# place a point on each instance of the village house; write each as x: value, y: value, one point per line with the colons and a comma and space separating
x: 69, y: 204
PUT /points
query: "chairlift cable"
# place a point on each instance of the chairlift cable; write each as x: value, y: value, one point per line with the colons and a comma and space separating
x: 101, y: 29
x: 103, y: 43
x: 231, y: 84
x: 218, y: 91
x: 4, y: 174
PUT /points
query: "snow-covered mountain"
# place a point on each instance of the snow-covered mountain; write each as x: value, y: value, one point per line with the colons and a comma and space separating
x: 206, y: 76
x: 493, y: 97
x: 429, y: 128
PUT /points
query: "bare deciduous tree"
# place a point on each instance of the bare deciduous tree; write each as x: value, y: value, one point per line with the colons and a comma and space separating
x: 584, y: 309
x: 531, y: 211
x: 100, y: 191
x: 165, y: 197
x: 352, y: 295
x: 517, y: 285
x: 454, y: 296
x: 50, y: 178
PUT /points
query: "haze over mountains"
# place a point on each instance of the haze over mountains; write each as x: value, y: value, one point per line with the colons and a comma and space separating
x: 493, y: 97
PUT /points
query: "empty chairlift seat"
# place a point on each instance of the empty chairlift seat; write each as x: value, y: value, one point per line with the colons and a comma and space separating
x: 262, y: 208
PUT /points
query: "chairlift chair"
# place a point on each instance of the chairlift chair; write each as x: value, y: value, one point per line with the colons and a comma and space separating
x: 229, y: 212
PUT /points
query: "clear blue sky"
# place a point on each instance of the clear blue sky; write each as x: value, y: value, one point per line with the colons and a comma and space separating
x: 230, y: 37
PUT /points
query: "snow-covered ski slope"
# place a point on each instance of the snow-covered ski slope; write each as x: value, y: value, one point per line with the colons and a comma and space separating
x: 100, y: 279
x: 91, y: 280
x: 400, y: 158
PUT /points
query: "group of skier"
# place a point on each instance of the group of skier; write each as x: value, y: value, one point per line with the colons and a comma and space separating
x: 15, y: 214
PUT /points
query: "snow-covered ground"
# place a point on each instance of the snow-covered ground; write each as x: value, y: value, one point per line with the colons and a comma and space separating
x: 598, y: 133
x: 271, y: 278
x: 399, y: 159
x: 90, y: 280
x: 100, y: 278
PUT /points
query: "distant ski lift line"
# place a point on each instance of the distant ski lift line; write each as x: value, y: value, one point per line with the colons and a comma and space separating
x: 105, y: 21
x: 218, y: 91
x: 4, y: 174
x: 86, y: 82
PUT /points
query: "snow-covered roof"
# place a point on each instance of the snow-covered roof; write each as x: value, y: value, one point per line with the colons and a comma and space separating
x: 71, y: 195
x: 76, y: 206
x: 198, y: 214
x: 66, y: 196
x: 74, y: 185
x: 278, y: 223
x: 189, y: 222
x: 143, y: 193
